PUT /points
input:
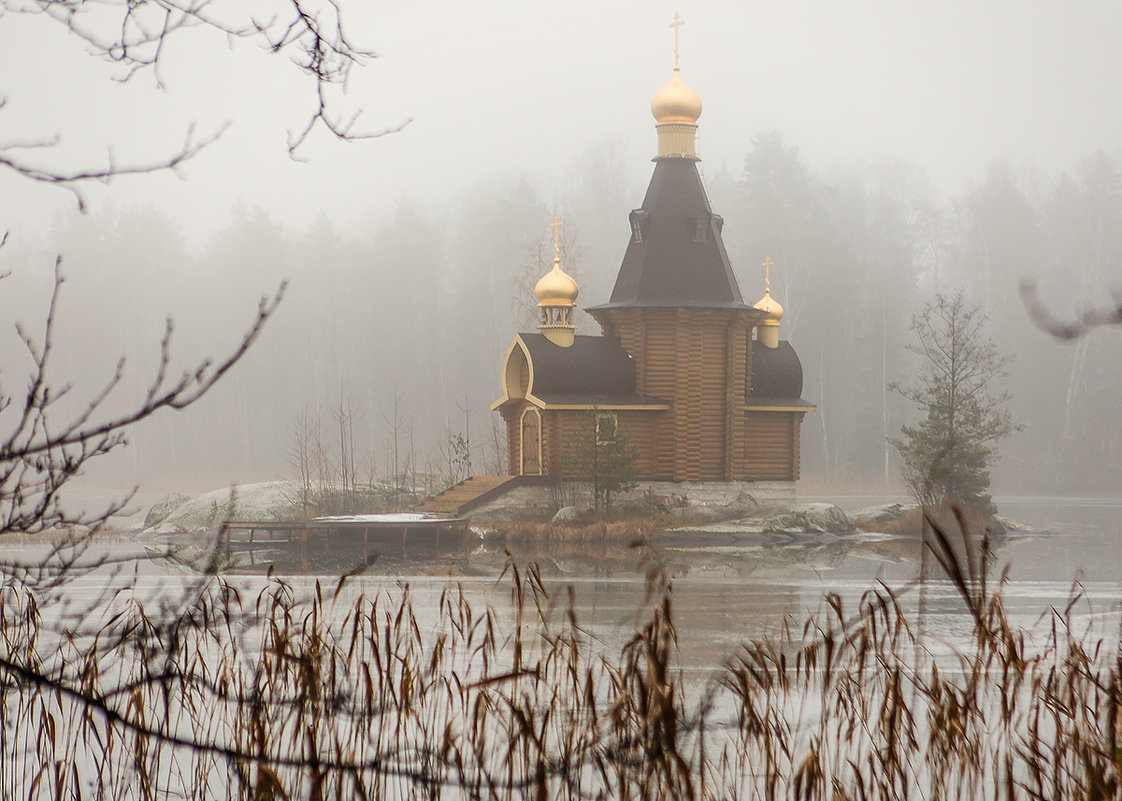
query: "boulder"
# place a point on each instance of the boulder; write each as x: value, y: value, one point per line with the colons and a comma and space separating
x: 806, y: 518
x: 271, y: 500
x: 745, y: 504
x: 1004, y: 525
x: 164, y: 507
x: 872, y: 516
x: 566, y: 514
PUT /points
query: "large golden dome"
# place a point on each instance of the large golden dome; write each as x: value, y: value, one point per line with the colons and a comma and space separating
x: 556, y: 288
x: 676, y: 102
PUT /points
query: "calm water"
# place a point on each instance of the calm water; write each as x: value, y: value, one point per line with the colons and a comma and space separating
x: 726, y: 590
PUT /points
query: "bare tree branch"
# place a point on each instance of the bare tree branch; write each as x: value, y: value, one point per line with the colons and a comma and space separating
x: 39, y: 455
x: 72, y: 180
x: 1070, y: 330
x: 132, y: 35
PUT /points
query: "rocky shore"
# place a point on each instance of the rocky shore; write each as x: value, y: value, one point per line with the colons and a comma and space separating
x: 279, y: 500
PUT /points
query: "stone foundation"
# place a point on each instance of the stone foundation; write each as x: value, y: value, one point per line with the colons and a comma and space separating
x: 721, y: 493
x: 547, y: 499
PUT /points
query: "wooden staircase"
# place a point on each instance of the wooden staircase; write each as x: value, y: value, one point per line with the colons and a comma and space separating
x: 467, y: 495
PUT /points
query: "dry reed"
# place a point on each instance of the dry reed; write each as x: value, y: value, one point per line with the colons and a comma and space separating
x: 347, y: 695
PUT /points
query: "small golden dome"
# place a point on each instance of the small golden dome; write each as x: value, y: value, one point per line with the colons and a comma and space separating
x: 770, y: 305
x: 676, y: 102
x: 556, y: 288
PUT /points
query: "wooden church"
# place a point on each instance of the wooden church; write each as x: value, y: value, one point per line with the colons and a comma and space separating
x: 698, y: 380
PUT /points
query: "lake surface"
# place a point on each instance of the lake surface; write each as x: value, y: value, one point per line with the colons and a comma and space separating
x: 727, y: 590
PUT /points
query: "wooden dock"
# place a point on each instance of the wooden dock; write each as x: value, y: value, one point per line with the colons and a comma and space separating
x: 362, y: 536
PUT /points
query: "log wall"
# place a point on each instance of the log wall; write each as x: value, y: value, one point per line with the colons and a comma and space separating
x: 643, y: 428
x: 699, y: 360
x: 772, y: 447
x: 738, y: 369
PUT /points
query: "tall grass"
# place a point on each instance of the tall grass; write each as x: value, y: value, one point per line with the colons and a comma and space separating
x: 349, y: 695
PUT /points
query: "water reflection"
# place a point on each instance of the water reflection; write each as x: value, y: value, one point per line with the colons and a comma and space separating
x: 725, y: 589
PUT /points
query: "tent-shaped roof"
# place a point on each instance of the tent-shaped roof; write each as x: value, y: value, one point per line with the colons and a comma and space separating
x: 676, y: 256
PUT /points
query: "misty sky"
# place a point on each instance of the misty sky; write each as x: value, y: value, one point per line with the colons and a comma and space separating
x: 513, y: 88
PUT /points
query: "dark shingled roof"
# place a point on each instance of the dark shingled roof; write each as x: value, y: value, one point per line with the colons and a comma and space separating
x: 777, y: 373
x: 591, y: 366
x: 670, y: 266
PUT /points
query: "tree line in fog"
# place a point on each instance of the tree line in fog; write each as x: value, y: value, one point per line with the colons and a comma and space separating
x: 403, y: 321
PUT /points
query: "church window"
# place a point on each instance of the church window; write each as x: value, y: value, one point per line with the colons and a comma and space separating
x: 605, y: 429
x: 638, y: 219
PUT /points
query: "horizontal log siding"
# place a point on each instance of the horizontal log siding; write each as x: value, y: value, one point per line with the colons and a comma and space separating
x: 564, y: 428
x: 660, y: 380
x: 644, y: 430
x: 660, y: 346
x: 551, y: 444
x: 796, y: 445
x: 700, y: 361
x: 648, y: 335
x: 641, y: 427
x: 627, y: 324
x: 712, y: 379
x: 772, y: 445
x: 687, y: 426
x: 735, y: 398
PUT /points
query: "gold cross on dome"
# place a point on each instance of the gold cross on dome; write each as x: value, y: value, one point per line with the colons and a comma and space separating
x: 767, y: 273
x: 556, y: 226
x: 676, y: 24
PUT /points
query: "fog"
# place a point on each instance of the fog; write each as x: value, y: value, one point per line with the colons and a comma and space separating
x: 878, y: 152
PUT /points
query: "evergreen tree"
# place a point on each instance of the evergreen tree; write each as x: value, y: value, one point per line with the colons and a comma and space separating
x: 948, y: 454
x: 601, y: 455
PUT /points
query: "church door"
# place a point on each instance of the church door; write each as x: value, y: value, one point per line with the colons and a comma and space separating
x: 531, y: 442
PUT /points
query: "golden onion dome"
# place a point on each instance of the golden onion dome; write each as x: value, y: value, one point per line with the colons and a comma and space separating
x: 771, y: 306
x: 556, y: 288
x: 676, y: 102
